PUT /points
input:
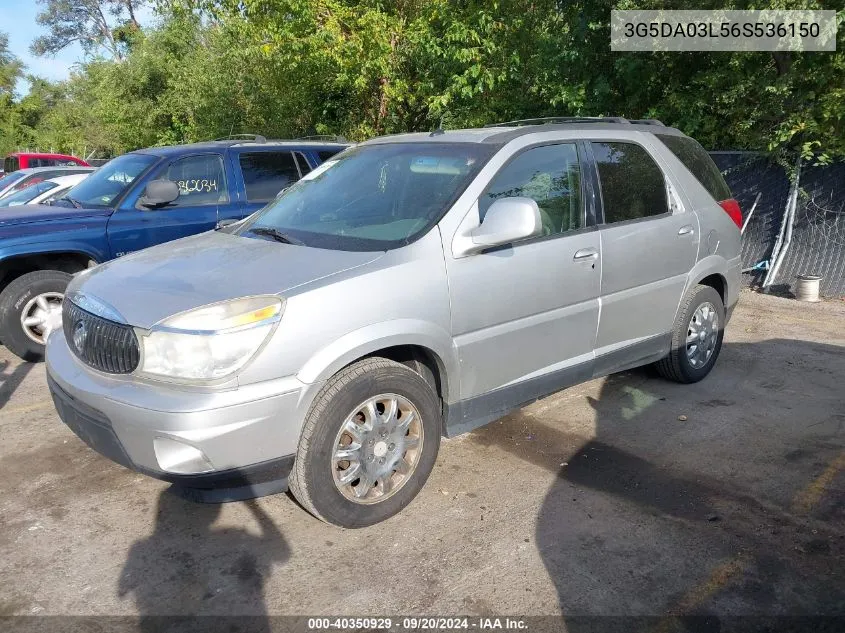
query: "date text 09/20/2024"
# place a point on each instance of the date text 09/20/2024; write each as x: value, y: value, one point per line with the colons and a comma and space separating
x: 417, y: 623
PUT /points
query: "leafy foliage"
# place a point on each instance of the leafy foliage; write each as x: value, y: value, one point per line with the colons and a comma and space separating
x: 291, y: 67
x: 95, y: 24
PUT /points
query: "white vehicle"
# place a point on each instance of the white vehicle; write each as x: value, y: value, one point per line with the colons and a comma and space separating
x: 43, y: 192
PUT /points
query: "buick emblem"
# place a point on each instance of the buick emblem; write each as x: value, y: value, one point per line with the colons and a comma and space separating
x: 80, y: 332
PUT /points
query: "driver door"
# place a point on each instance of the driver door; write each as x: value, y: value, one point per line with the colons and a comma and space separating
x: 203, y: 190
x: 524, y: 315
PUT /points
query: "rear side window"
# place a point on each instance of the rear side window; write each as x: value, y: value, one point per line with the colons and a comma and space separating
x: 267, y: 173
x: 696, y: 159
x: 632, y: 185
x: 326, y: 154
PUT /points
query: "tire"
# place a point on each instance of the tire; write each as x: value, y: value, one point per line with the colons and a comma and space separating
x: 16, y: 298
x: 678, y: 366
x: 314, y: 480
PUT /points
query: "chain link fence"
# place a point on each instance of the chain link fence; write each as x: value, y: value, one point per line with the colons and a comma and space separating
x: 817, y: 245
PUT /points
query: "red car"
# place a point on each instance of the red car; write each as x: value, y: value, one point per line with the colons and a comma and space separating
x: 22, y: 160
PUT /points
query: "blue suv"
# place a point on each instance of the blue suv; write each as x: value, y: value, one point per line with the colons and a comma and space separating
x: 137, y: 200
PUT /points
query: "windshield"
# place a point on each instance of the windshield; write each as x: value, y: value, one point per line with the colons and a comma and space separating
x: 371, y: 198
x: 9, y: 179
x: 25, y: 195
x: 110, y: 181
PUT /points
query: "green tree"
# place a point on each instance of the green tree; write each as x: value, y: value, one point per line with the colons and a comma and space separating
x: 95, y: 24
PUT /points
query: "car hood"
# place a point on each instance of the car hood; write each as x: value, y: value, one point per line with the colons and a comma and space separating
x: 26, y: 213
x: 153, y: 284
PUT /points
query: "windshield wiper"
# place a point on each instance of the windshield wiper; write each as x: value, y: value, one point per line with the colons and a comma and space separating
x: 276, y: 234
x: 76, y: 204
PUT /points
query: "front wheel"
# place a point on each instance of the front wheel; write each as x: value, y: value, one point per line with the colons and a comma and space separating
x: 30, y: 309
x: 696, y: 337
x: 368, y: 445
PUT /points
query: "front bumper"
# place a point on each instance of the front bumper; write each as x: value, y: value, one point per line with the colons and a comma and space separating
x: 246, y: 436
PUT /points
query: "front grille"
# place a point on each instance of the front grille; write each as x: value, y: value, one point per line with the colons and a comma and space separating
x: 104, y: 345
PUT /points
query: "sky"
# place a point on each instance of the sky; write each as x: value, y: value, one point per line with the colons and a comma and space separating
x: 17, y: 18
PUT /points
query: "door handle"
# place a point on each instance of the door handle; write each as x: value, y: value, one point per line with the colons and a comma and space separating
x: 686, y: 230
x: 586, y: 255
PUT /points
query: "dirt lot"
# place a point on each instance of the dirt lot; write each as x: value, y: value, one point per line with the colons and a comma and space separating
x: 598, y: 500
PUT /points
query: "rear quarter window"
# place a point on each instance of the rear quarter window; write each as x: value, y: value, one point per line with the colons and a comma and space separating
x: 696, y: 159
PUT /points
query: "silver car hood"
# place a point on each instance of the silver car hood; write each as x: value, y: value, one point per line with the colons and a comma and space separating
x: 153, y: 284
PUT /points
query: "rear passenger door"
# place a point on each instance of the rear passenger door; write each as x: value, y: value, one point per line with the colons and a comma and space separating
x: 265, y: 173
x: 649, y: 243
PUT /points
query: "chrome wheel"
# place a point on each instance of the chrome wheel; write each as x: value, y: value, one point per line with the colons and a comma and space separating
x: 41, y: 315
x: 377, y: 448
x: 702, y: 335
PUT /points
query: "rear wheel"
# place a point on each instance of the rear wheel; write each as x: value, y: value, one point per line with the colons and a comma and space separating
x: 696, y: 337
x: 368, y: 445
x: 30, y: 309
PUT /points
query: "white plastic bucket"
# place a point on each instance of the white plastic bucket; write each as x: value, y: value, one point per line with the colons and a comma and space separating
x: 807, y: 287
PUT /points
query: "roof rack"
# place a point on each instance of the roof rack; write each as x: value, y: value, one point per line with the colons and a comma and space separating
x: 243, y: 137
x: 574, y: 119
x: 322, y: 137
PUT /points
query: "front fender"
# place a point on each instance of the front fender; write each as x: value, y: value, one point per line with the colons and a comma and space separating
x: 372, y: 338
x: 94, y: 252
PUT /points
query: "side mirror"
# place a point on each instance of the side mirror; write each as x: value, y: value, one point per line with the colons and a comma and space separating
x: 159, y: 193
x: 508, y: 220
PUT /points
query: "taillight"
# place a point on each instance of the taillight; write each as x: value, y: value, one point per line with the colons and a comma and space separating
x: 731, y: 207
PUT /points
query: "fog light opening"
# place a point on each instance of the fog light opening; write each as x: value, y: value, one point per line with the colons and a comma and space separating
x: 174, y: 456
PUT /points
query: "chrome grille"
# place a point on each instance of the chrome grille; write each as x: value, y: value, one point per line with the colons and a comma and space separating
x: 104, y: 345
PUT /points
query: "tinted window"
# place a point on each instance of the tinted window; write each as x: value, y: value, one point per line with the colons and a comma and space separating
x: 326, y: 154
x: 632, y: 184
x: 698, y: 161
x: 11, y: 163
x: 111, y: 180
x: 201, y: 180
x: 549, y: 175
x: 267, y: 173
x: 374, y: 197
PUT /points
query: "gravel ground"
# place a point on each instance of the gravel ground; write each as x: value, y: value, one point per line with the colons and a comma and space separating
x: 600, y: 499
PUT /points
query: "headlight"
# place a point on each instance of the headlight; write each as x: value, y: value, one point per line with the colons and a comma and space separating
x: 211, y: 342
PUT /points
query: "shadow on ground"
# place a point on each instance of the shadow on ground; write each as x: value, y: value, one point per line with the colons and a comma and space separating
x: 11, y: 379
x: 189, y: 567
x: 736, y: 511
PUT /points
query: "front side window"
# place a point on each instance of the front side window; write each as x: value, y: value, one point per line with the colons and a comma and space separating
x: 201, y: 180
x: 372, y: 197
x: 106, y: 185
x: 267, y: 173
x: 632, y: 185
x: 549, y: 175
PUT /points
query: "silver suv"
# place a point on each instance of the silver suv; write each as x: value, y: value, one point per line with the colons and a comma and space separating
x: 414, y: 286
